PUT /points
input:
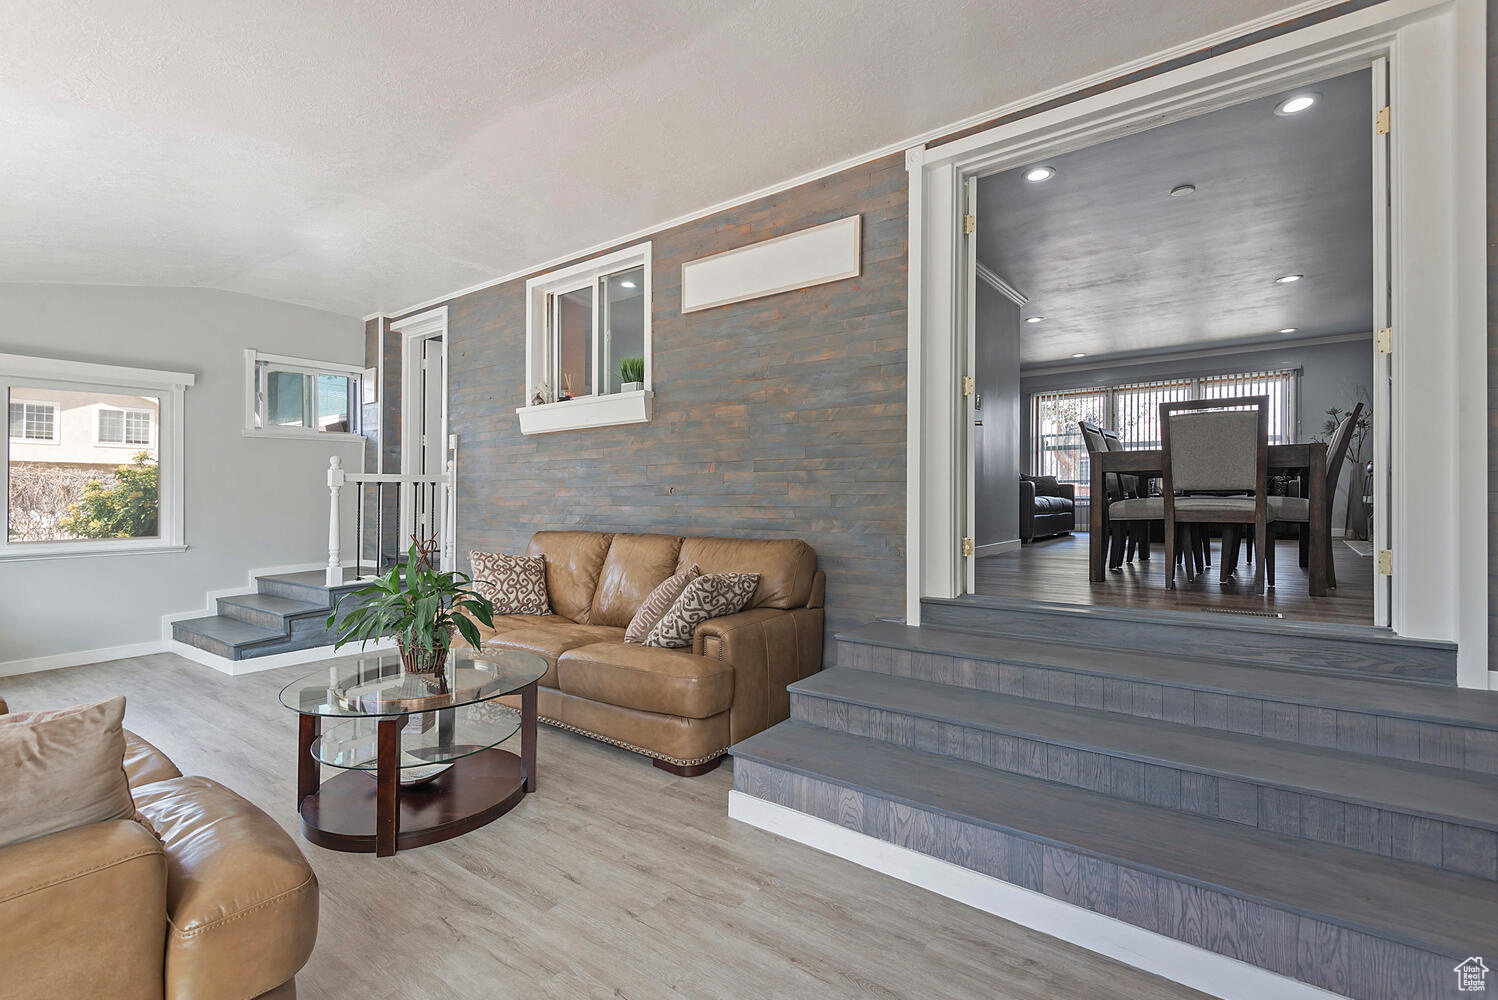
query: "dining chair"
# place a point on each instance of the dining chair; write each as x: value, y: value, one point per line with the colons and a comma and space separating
x: 1126, y: 516
x: 1297, y: 510
x: 1214, y: 447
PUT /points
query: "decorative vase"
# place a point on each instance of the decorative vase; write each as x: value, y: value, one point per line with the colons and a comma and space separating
x: 422, y: 659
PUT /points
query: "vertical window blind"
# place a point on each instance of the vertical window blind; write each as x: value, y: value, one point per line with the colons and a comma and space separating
x: 1133, y: 411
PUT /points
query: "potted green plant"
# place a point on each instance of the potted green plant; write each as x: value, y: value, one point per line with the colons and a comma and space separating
x: 631, y: 374
x: 420, y: 606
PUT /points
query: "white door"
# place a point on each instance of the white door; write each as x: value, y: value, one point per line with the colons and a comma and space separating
x: 1383, y: 369
x: 969, y: 394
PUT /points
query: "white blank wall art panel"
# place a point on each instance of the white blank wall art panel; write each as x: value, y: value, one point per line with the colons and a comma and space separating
x: 815, y: 256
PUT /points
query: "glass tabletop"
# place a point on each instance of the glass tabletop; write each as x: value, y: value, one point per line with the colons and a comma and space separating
x: 428, y: 740
x: 378, y: 685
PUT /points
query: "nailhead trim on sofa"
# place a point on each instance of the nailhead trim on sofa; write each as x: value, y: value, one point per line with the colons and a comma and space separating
x: 678, y: 761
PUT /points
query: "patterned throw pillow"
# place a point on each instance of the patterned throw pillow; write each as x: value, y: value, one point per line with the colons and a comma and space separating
x: 711, y: 596
x: 516, y: 585
x: 655, y: 606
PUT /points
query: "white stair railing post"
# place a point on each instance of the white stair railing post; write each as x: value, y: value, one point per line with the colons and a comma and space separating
x: 449, y: 527
x: 335, y: 486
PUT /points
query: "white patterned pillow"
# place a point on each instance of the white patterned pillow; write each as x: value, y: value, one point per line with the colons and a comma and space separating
x: 710, y: 596
x: 659, y: 601
x: 515, y: 585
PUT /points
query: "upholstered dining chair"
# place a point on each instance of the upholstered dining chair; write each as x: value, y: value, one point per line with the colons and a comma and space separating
x: 1126, y: 517
x: 1214, y: 447
x: 1297, y: 510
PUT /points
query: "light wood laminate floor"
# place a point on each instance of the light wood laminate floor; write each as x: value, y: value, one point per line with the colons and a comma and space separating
x: 1055, y: 569
x: 613, y: 880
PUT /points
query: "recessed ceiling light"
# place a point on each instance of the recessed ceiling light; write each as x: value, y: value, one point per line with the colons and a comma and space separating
x: 1079, y: 355
x: 1181, y: 190
x: 1034, y: 319
x: 1037, y: 174
x: 1286, y: 279
x: 1296, y: 104
x: 1288, y: 329
x: 626, y: 284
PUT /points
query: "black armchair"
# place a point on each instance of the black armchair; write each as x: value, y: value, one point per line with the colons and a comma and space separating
x: 1046, y: 507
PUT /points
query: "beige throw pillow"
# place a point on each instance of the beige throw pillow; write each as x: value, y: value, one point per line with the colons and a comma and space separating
x: 515, y: 585
x: 710, y: 596
x: 659, y: 601
x: 62, y: 769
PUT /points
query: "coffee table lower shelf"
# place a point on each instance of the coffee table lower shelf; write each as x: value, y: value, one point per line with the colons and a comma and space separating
x: 341, y: 814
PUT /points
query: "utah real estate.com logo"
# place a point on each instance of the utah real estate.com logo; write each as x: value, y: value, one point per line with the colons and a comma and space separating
x: 1472, y: 976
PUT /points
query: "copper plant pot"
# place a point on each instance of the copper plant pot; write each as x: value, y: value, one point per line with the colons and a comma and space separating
x: 422, y: 659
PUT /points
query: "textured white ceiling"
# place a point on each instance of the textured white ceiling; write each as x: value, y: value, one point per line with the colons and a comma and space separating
x: 363, y: 156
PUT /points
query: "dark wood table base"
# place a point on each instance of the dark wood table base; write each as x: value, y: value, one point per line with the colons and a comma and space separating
x: 364, y: 812
x: 343, y: 814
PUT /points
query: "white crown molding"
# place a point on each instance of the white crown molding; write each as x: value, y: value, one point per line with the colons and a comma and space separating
x: 991, y: 278
x: 913, y: 156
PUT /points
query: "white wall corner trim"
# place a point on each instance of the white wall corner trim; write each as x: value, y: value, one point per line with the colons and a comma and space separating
x: 1209, y: 972
x: 991, y: 278
x: 815, y: 256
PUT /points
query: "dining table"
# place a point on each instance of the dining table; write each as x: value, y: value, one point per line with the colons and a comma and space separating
x: 1307, y: 460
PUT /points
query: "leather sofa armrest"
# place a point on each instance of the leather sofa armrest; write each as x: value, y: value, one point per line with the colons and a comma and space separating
x: 1026, y: 510
x: 1069, y: 490
x: 768, y: 649
x: 85, y: 914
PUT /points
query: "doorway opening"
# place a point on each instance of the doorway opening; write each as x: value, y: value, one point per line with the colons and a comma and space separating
x: 1240, y: 252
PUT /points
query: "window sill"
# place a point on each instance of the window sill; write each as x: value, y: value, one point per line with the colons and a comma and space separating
x: 589, y: 411
x: 25, y: 552
x: 302, y: 435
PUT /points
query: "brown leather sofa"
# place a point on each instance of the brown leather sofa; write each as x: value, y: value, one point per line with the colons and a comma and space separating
x: 204, y: 897
x: 681, y: 707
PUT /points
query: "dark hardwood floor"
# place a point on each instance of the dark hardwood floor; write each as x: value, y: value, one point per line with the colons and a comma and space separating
x: 1055, y: 569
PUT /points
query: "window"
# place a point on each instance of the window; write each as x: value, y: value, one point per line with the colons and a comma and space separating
x: 93, y: 460
x: 1133, y: 410
x: 30, y: 421
x: 588, y: 344
x: 125, y: 428
x: 296, y: 397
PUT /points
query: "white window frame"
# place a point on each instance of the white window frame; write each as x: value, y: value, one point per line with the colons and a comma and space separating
x: 304, y: 366
x: 99, y: 441
x: 56, y: 437
x: 593, y: 410
x: 18, y: 370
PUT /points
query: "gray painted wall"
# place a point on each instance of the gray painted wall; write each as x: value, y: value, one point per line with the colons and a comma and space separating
x: 249, y: 502
x: 999, y: 442
x: 1331, y: 375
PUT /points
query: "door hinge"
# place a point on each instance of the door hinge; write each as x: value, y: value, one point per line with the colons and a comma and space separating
x: 969, y: 224
x: 1381, y: 121
x: 1385, y: 339
x: 1385, y: 562
x: 967, y: 546
x: 968, y: 385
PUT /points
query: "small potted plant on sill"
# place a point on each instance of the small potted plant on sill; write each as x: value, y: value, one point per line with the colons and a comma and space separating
x: 631, y: 374
x: 419, y: 605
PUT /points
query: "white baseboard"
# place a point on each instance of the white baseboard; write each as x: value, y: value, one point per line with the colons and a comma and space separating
x: 255, y: 664
x: 997, y: 548
x: 1209, y: 972
x: 79, y: 656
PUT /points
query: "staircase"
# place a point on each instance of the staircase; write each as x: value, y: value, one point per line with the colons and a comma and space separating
x: 1328, y: 824
x: 287, y: 612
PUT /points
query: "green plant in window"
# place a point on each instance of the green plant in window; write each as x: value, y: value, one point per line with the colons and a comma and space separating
x: 631, y: 369
x: 126, y: 508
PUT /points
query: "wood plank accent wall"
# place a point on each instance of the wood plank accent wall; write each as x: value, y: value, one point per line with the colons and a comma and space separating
x: 778, y: 417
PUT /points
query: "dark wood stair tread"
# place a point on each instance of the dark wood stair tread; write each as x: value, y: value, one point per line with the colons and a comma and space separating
x: 1464, y: 797
x: 230, y: 631
x: 285, y: 606
x: 1378, y: 696
x: 1426, y: 908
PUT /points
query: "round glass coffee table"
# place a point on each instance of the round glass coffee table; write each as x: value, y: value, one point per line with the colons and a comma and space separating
x: 418, y: 752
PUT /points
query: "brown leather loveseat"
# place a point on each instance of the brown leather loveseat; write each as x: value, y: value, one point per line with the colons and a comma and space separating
x: 681, y: 707
x: 204, y: 897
